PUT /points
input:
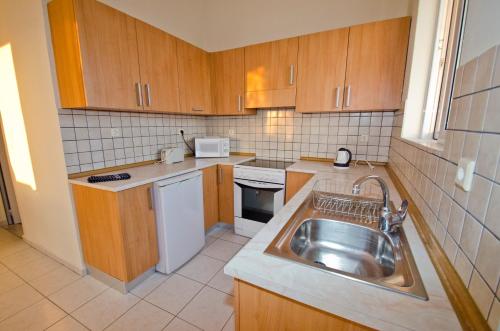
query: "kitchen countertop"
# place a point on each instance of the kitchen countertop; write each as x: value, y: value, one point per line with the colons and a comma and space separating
x: 366, y: 304
x: 154, y: 172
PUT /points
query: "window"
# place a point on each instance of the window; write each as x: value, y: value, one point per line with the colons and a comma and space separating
x: 446, y: 50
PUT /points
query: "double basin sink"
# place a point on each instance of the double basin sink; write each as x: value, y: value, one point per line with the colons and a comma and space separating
x: 349, y: 246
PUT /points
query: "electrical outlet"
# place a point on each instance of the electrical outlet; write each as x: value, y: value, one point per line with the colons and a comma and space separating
x: 116, y: 132
x: 465, y: 173
x: 231, y: 132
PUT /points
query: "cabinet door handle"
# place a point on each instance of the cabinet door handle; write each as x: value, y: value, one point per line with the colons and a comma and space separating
x: 348, y: 98
x: 239, y: 103
x: 138, y: 94
x: 197, y: 109
x: 292, y: 74
x: 150, y: 198
x: 337, y: 97
x: 148, y: 94
x: 220, y: 175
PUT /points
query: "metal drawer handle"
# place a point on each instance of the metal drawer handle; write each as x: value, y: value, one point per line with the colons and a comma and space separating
x: 348, y: 99
x: 337, y: 97
x: 148, y: 94
x: 138, y: 94
x: 292, y: 74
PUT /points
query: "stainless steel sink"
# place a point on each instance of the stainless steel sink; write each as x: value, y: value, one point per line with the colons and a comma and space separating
x: 351, y: 247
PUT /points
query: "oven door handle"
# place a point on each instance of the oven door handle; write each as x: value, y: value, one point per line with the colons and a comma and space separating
x: 263, y: 185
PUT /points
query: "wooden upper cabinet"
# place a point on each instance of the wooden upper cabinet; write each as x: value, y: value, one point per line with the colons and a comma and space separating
x: 321, y: 71
x: 194, y: 79
x: 95, y: 51
x: 158, y: 68
x: 228, y: 82
x: 376, y: 63
x: 270, y: 74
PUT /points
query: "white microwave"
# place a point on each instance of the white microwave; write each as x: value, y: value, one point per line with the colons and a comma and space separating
x: 211, y: 147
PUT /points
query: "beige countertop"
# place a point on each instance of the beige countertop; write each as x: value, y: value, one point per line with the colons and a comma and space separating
x: 154, y: 172
x: 353, y: 300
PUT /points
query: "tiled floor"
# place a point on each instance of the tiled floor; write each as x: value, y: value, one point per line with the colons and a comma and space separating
x: 38, y: 293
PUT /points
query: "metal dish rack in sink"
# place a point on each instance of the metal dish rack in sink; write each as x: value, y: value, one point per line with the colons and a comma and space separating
x: 364, y: 210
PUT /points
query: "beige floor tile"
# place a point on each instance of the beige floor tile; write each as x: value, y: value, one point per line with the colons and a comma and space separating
x: 209, y: 310
x: 37, y: 268
x: 230, y: 325
x: 17, y: 299
x: 149, y: 284
x: 67, y: 324
x: 54, y: 280
x: 231, y: 236
x: 222, y: 282
x: 143, y: 316
x: 9, y: 281
x: 9, y: 248
x: 209, y: 240
x: 222, y: 250
x: 37, y: 317
x: 101, y: 311
x: 174, y: 293
x: 21, y: 258
x: 179, y: 325
x: 201, y: 268
x: 77, y: 293
x: 217, y: 232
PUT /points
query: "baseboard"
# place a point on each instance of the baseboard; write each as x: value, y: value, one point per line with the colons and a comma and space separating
x: 81, y: 272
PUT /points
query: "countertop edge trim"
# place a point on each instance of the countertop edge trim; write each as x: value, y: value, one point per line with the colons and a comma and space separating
x: 468, y: 313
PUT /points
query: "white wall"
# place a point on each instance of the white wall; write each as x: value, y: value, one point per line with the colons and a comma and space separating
x: 222, y: 24
x: 181, y: 18
x: 234, y: 23
x: 482, y: 28
x: 46, y: 211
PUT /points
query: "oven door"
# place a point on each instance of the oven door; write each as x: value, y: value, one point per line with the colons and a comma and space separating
x: 257, y: 201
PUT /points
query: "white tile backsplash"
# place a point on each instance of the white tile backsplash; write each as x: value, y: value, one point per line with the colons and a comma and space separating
x: 271, y: 134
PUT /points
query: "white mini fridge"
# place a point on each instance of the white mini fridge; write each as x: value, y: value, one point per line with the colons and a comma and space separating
x: 179, y: 219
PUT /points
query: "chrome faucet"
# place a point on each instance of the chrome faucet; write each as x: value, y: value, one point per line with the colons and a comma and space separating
x: 389, y: 221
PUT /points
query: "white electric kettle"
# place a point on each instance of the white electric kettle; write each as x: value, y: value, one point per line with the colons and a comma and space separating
x: 343, y: 158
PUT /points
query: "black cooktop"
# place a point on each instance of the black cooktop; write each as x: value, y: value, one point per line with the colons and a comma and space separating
x: 267, y: 164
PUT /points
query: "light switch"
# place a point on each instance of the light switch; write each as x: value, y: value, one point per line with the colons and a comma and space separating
x: 465, y: 173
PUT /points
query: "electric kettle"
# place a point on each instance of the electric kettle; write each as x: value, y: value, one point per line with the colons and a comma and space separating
x: 343, y: 158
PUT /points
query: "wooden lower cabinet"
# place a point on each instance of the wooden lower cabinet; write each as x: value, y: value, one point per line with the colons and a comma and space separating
x: 117, y: 230
x: 294, y: 182
x: 259, y: 309
x: 226, y: 193
x: 210, y: 196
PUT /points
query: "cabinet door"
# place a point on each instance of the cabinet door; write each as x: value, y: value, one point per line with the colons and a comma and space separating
x: 270, y: 73
x: 376, y: 61
x: 158, y: 67
x: 228, y: 82
x: 226, y: 193
x: 321, y: 71
x: 294, y: 182
x: 194, y: 79
x: 110, y: 64
x: 210, y: 197
x: 139, y: 230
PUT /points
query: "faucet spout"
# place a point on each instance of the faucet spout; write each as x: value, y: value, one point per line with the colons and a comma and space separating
x: 388, y: 221
x: 356, y: 188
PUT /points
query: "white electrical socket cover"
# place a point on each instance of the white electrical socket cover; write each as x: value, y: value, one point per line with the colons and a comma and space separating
x: 231, y: 132
x: 465, y: 173
x: 115, y: 132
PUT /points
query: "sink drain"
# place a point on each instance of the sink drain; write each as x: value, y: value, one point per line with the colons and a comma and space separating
x: 320, y: 263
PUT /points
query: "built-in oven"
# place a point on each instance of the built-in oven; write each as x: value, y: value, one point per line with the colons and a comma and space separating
x: 256, y: 201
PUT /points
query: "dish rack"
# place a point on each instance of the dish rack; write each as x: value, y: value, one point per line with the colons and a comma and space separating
x: 363, y: 210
